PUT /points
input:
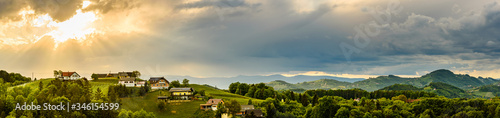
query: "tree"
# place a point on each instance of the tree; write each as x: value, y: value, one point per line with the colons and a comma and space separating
x: 250, y: 102
x: 185, y: 82
x: 56, y: 74
x: 233, y: 107
x: 315, y: 100
x: 233, y: 87
x: 161, y: 105
x: 304, y: 100
x: 342, y: 113
x: 220, y: 110
x: 40, y: 86
x: 136, y: 74
x: 270, y: 110
x: 243, y: 89
x: 94, y: 76
x: 175, y: 83
x: 98, y: 94
x: 201, y: 92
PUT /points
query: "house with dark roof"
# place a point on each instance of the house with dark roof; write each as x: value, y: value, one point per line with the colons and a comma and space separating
x: 69, y: 76
x: 125, y: 74
x: 243, y: 108
x: 158, y: 83
x: 113, y: 75
x: 181, y: 93
x: 102, y: 75
x: 127, y: 81
x: 211, y: 104
x: 256, y: 113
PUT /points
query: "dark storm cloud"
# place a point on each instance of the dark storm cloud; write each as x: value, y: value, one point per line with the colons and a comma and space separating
x: 59, y: 10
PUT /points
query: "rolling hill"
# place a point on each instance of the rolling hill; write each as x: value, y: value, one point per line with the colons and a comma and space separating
x: 401, y: 87
x: 446, y: 90
x: 317, y: 84
x: 462, y: 81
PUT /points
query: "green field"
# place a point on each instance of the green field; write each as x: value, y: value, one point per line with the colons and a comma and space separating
x: 103, y: 83
x: 178, y: 110
x: 34, y: 84
x: 149, y: 101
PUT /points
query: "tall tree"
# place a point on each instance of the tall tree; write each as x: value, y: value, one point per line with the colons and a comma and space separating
x: 94, y: 76
x: 233, y: 87
x: 98, y: 94
x: 136, y: 73
x: 233, y: 107
x: 175, y: 83
x: 185, y: 82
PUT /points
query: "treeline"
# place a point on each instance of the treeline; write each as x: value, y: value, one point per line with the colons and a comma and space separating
x: 12, y: 79
x: 259, y: 91
x: 78, y: 91
x: 359, y: 93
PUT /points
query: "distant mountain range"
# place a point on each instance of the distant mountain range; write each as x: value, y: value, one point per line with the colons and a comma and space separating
x: 445, y: 76
x: 223, y: 82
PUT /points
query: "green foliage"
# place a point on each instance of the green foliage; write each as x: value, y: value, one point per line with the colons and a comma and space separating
x: 161, y: 105
x: 185, y: 82
x: 233, y: 107
x: 13, y: 78
x: 445, y: 90
x: 343, y: 112
x: 459, y: 80
x: 175, y: 83
x: 94, y: 76
x: 403, y: 87
x: 204, y: 114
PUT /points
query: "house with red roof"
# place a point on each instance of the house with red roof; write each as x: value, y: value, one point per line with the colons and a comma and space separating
x: 69, y: 76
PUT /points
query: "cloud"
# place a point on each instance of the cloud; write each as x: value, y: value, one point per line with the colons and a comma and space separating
x: 256, y: 37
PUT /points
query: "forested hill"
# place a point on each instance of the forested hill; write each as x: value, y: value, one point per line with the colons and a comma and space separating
x: 401, y: 87
x: 439, y: 88
x: 317, y: 84
x: 462, y: 81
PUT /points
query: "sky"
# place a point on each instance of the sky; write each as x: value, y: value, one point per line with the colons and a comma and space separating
x: 226, y: 38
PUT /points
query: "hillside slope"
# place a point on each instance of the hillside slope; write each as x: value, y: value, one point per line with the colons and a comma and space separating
x: 317, y: 84
x: 445, y: 76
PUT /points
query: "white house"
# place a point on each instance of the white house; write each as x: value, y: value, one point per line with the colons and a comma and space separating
x: 69, y: 76
x: 127, y: 81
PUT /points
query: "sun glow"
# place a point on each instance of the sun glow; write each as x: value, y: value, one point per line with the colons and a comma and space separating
x: 76, y: 27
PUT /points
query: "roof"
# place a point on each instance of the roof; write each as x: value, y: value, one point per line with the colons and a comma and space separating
x: 127, y: 79
x: 246, y: 107
x: 125, y: 73
x: 155, y: 79
x: 256, y: 112
x: 181, y: 89
x: 101, y: 75
x: 67, y: 74
x: 214, y: 101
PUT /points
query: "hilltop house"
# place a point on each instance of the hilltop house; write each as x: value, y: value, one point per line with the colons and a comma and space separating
x: 127, y: 81
x: 211, y: 104
x: 69, y: 76
x: 158, y: 83
x: 124, y: 74
x: 139, y: 83
x: 181, y: 93
x: 255, y: 112
x: 112, y: 75
x: 244, y: 108
x: 102, y: 75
